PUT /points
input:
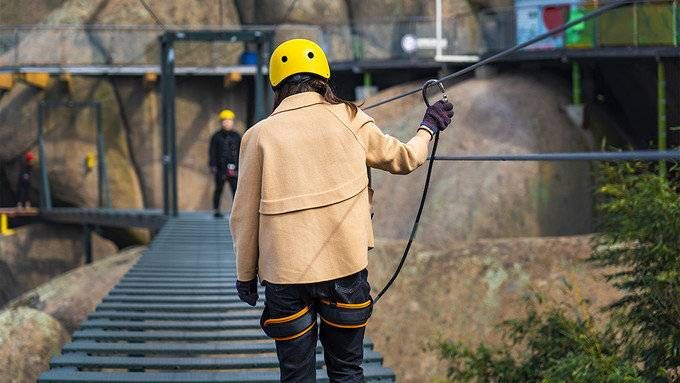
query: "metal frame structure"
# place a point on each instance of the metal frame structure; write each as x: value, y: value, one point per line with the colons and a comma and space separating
x: 103, y: 189
x: 263, y: 40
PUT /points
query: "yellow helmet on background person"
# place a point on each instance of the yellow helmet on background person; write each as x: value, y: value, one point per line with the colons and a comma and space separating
x: 297, y: 56
x: 227, y: 114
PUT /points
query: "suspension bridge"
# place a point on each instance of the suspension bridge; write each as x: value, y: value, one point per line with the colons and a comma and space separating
x: 175, y: 316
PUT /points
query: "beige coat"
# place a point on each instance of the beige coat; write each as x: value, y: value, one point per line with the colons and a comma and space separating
x: 301, y: 209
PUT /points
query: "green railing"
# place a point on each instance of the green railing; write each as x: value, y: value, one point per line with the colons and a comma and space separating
x: 652, y: 23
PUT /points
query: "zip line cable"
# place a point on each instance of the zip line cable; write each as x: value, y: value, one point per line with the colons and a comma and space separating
x: 628, y: 155
x: 514, y: 49
x: 577, y: 156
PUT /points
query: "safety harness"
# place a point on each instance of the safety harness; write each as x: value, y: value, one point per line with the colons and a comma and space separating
x: 290, y: 327
x: 335, y: 314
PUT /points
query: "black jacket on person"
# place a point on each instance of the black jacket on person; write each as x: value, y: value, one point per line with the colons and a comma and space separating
x: 224, y: 149
x: 24, y: 183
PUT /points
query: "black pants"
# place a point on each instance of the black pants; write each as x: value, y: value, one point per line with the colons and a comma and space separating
x: 220, y: 179
x: 23, y: 190
x: 343, y: 347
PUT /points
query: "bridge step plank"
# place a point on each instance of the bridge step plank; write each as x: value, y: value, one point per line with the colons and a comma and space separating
x: 177, y: 286
x: 188, y: 336
x: 176, y: 292
x: 171, y: 325
x: 178, y: 307
x: 371, y: 374
x: 138, y: 315
x: 176, y: 348
x: 177, y: 281
x: 178, y: 363
x: 172, y: 299
x: 187, y: 274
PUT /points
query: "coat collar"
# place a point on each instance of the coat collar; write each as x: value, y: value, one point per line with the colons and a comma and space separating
x: 299, y: 100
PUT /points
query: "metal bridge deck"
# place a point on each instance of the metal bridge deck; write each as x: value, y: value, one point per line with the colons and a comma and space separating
x: 175, y: 317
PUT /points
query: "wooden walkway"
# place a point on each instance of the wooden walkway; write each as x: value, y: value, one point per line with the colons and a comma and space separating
x: 175, y: 317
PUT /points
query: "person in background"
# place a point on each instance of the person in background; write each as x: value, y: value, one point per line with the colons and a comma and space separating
x: 24, y: 181
x: 223, y: 157
x: 301, y: 217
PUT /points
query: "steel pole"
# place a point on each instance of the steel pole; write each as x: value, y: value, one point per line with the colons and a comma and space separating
x: 165, y: 125
x: 576, y: 98
x: 103, y: 189
x: 661, y: 109
x: 172, y: 129
x: 87, y: 243
x: 259, y: 80
x: 45, y: 197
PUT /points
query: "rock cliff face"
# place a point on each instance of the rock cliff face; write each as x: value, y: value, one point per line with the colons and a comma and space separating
x: 131, y: 120
x: 460, y: 292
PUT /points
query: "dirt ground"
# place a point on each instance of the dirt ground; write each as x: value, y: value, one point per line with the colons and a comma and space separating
x: 462, y: 291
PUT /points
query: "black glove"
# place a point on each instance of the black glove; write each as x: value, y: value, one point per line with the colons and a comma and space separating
x: 438, y: 116
x: 247, y: 291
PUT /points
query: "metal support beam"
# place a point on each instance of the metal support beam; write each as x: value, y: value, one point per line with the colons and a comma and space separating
x: 4, y: 226
x: 45, y: 194
x: 576, y: 98
x: 259, y: 84
x: 148, y: 218
x: 261, y: 38
x: 661, y: 109
x: 167, y: 98
x: 87, y: 243
x: 103, y: 188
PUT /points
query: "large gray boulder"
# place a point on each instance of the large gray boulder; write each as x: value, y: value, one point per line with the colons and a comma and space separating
x: 379, y: 26
x: 506, y: 114
x: 326, y: 22
x: 35, y: 326
x: 37, y: 253
x: 70, y: 297
x: 101, y: 46
x: 28, y: 340
x: 70, y: 135
x: 19, y: 120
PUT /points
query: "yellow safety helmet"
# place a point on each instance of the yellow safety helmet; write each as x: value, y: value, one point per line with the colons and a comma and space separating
x: 227, y: 114
x: 297, y: 56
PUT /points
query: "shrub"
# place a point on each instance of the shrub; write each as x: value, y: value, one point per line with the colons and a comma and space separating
x: 640, y: 341
x: 641, y: 236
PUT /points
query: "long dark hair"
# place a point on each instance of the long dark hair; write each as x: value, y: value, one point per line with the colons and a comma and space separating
x: 309, y: 83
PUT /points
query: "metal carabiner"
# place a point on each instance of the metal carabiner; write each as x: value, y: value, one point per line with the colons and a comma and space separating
x: 428, y: 84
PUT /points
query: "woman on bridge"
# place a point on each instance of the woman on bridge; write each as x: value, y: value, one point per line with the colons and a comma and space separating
x: 301, y: 215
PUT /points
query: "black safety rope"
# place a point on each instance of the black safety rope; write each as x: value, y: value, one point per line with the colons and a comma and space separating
x: 414, y: 229
x: 440, y: 83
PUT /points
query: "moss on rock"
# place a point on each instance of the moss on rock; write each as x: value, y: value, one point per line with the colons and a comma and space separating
x: 28, y: 339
